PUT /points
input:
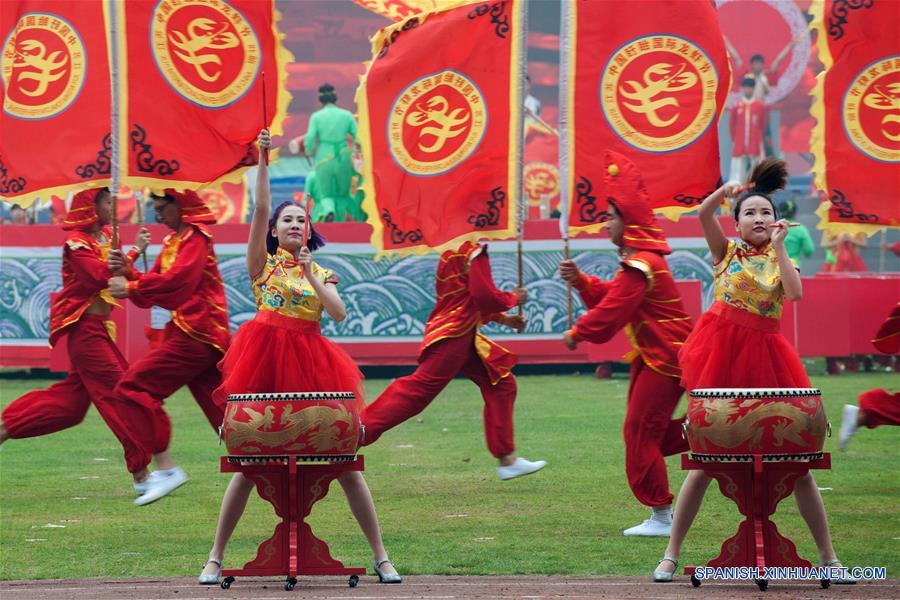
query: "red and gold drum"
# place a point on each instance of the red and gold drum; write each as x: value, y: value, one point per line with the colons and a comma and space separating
x: 736, y: 424
x: 314, y: 426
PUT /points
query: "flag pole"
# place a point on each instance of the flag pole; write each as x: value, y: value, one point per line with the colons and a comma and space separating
x: 139, y: 205
x: 265, y: 115
x: 564, y: 116
x: 114, y: 118
x: 521, y: 205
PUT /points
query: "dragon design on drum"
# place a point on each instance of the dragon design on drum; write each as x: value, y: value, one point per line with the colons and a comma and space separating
x: 753, y: 424
x: 314, y: 429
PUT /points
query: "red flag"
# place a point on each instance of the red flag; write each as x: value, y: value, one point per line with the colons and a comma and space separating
x: 126, y: 203
x: 440, y: 108
x: 191, y: 95
x: 647, y: 79
x: 59, y: 210
x: 229, y: 204
x: 856, y: 138
x: 56, y: 99
x: 400, y: 10
x: 541, y: 176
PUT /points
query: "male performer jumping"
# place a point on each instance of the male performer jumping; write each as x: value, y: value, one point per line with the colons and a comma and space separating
x: 466, y: 298
x: 184, y: 279
x: 643, y: 300
x: 80, y: 312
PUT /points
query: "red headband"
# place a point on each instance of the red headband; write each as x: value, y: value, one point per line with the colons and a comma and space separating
x: 83, y: 211
x: 624, y: 186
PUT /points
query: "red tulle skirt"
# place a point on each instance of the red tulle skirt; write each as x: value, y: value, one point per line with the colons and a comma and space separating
x: 733, y: 348
x: 275, y: 353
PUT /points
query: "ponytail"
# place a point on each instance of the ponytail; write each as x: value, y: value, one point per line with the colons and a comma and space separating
x: 769, y: 176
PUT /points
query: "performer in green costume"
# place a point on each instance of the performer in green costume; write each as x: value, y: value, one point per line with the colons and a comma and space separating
x: 328, y: 140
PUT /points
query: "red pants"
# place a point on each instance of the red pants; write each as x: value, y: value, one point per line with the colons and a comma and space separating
x: 97, y: 366
x: 440, y: 363
x: 179, y: 360
x: 651, y: 433
x: 880, y: 408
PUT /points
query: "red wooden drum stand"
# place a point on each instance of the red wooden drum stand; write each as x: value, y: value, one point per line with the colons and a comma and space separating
x: 756, y: 443
x: 292, y: 446
x: 293, y: 549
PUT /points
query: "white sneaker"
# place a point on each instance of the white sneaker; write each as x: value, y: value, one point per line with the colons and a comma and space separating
x: 848, y: 425
x: 141, y: 487
x: 161, y: 483
x: 519, y: 468
x: 650, y: 528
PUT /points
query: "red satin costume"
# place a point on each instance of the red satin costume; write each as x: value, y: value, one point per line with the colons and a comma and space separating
x: 97, y: 363
x: 466, y: 298
x: 643, y: 300
x: 185, y: 280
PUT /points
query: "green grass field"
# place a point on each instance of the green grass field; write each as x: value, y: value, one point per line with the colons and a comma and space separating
x: 66, y: 511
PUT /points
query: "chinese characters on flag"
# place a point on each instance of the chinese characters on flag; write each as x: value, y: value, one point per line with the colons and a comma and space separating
x: 440, y: 121
x: 54, y: 130
x: 647, y: 79
x: 856, y: 139
x: 189, y: 93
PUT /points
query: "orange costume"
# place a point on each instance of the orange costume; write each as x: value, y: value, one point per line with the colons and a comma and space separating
x: 466, y: 298
x: 97, y: 363
x: 642, y: 300
x: 184, y: 279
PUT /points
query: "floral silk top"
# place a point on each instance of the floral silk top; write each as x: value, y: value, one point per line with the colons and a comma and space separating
x: 749, y: 278
x: 280, y: 288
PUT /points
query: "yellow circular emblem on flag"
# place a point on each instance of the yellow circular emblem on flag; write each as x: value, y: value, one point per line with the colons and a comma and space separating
x: 871, y: 110
x: 207, y: 51
x: 658, y: 92
x: 43, y: 66
x: 436, y: 123
x: 541, y: 179
x: 219, y: 203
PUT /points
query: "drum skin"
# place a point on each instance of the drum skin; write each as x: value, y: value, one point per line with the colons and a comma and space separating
x: 755, y: 421
x: 313, y: 426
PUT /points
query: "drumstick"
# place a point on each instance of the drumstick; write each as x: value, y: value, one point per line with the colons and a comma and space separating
x: 789, y: 225
x: 265, y: 115
x: 306, y: 225
x: 139, y: 204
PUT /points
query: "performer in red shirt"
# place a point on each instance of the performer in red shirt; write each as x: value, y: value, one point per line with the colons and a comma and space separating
x: 642, y: 300
x: 466, y: 298
x: 184, y: 279
x: 81, y: 312
x: 747, y: 128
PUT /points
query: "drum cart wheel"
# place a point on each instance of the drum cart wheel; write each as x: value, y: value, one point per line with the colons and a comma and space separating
x: 226, y: 583
x: 694, y: 581
x: 289, y: 583
x: 762, y: 584
x: 353, y: 581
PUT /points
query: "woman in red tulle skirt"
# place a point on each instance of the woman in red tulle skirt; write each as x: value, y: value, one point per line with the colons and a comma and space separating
x: 297, y: 357
x: 282, y: 350
x: 737, y: 343
x: 731, y: 347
